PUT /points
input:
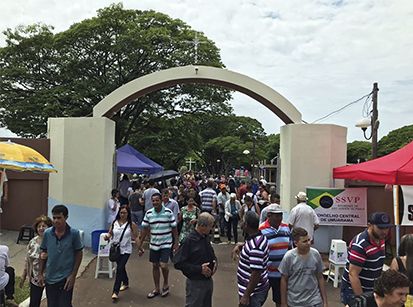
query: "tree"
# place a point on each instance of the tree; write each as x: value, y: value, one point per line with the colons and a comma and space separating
x: 358, y: 151
x: 396, y: 139
x: 68, y: 73
x: 272, y: 147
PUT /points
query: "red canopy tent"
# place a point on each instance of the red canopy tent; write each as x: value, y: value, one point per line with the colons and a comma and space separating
x: 395, y: 168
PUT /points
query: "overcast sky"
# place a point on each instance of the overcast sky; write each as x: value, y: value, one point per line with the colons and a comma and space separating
x: 320, y: 55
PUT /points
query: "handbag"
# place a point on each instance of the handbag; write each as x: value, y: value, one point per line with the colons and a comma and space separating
x: 114, y: 250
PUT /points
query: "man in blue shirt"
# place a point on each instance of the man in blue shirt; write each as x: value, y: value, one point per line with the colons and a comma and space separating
x: 60, y: 257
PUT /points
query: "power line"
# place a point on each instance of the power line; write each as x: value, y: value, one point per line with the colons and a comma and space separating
x: 367, y: 96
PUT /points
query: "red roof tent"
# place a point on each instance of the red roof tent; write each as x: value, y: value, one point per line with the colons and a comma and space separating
x: 395, y: 168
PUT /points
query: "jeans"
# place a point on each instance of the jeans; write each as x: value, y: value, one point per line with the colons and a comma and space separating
x: 57, y: 296
x: 199, y: 293
x: 9, y: 289
x: 346, y: 294
x: 257, y: 300
x: 121, y: 275
x: 222, y: 223
x: 233, y: 224
x: 137, y: 217
x: 35, y: 295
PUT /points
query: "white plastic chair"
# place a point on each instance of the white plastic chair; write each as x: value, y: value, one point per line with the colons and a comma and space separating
x: 103, y: 265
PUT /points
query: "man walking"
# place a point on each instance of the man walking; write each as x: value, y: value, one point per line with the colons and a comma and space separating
x: 64, y: 254
x: 252, y: 266
x: 147, y: 194
x: 196, y: 259
x: 208, y: 198
x: 302, y: 281
x: 274, y: 200
x: 222, y: 199
x: 160, y: 223
x: 366, y: 258
x: 278, y: 236
x: 303, y: 216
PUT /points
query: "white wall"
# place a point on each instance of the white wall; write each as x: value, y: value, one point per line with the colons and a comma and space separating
x: 308, y: 154
x: 82, y: 150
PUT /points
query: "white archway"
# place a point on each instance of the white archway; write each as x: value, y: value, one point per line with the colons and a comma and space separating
x: 264, y: 94
x: 308, y: 152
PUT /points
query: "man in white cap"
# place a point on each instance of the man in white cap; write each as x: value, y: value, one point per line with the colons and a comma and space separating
x: 303, y: 216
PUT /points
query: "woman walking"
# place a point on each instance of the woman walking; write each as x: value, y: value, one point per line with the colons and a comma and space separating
x: 404, y: 263
x: 32, y: 265
x: 122, y: 225
x: 189, y: 215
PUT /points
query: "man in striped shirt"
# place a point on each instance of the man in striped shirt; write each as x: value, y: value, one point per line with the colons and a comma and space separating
x: 252, y: 266
x: 208, y: 197
x: 161, y: 224
x: 278, y: 236
x: 366, y: 258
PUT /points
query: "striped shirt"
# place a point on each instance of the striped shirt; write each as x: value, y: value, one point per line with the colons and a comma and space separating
x: 207, y: 198
x: 254, y: 256
x: 160, y: 225
x: 278, y: 242
x: 369, y: 256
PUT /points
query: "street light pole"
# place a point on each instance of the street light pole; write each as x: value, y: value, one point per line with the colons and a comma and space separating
x: 374, y: 121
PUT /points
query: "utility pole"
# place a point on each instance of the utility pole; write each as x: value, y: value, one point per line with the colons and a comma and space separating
x: 374, y: 122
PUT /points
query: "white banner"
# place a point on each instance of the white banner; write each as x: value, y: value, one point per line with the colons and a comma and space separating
x: 344, y: 207
x: 407, y: 209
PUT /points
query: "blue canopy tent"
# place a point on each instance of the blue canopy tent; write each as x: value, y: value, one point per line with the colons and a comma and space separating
x: 129, y: 160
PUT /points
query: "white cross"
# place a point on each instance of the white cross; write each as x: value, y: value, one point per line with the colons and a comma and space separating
x: 196, y: 43
x: 190, y: 162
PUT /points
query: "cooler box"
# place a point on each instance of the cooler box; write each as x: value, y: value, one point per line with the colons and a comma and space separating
x: 338, y: 251
x: 95, y: 239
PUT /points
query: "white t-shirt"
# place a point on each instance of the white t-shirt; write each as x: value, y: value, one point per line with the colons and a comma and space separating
x: 111, y: 203
x: 4, y: 262
x: 305, y: 217
x: 126, y: 243
x: 3, y: 179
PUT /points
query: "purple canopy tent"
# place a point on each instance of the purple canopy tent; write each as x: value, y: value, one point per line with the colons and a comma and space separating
x: 131, y: 161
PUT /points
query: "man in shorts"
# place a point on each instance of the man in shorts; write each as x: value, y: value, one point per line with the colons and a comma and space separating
x: 161, y: 224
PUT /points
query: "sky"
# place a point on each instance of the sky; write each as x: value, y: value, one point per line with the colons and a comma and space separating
x: 319, y: 54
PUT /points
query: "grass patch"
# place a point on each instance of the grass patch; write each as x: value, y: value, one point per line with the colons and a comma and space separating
x: 20, y: 294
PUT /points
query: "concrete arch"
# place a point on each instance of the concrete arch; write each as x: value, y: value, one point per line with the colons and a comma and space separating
x: 264, y: 94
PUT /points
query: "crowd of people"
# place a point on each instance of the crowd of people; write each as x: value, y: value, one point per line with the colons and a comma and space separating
x: 178, y: 220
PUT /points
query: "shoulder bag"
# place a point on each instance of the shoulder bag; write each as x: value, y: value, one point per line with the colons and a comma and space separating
x: 114, y: 251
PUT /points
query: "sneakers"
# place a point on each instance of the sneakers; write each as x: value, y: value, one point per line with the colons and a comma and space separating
x: 115, y: 296
x: 123, y: 287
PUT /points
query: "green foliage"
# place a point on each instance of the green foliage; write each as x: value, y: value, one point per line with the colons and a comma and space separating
x: 66, y: 74
x: 358, y: 151
x: 396, y: 139
x: 272, y: 146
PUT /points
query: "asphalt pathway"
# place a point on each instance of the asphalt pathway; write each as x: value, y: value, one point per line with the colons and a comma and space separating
x: 97, y: 292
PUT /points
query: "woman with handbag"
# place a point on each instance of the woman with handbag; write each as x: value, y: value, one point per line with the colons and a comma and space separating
x: 121, y: 234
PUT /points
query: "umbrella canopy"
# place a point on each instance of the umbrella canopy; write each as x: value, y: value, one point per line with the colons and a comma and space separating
x: 163, y: 175
x: 22, y: 158
x: 129, y: 160
x: 395, y: 168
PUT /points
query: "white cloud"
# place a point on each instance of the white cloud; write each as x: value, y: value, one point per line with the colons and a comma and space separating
x: 319, y: 54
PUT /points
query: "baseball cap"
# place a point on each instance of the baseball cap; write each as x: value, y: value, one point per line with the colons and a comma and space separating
x: 274, y: 209
x: 301, y: 196
x: 233, y: 195
x: 380, y: 219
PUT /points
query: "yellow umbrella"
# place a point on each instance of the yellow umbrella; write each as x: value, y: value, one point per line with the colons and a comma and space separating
x: 22, y: 158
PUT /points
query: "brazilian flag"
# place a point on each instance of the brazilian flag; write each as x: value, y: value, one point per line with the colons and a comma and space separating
x: 322, y: 197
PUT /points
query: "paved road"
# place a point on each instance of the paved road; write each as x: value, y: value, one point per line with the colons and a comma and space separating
x: 97, y: 292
